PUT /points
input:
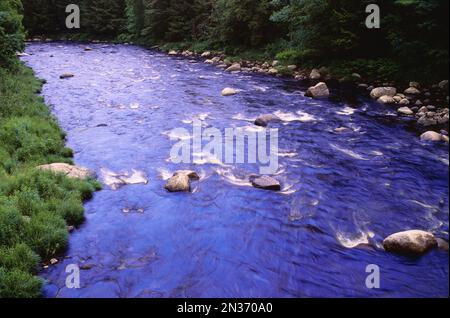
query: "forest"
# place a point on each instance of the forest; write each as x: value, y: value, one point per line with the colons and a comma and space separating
x: 412, y: 41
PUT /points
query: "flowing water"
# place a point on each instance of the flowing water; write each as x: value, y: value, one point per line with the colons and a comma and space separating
x: 343, y: 193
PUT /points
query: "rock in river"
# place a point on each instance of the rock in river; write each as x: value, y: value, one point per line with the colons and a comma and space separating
x: 229, y: 91
x: 413, y: 242
x: 266, y: 183
x: 66, y: 75
x: 69, y: 171
x: 431, y: 136
x: 376, y: 93
x: 181, y: 181
x: 320, y: 90
x: 405, y: 111
x: 315, y: 74
x: 236, y: 67
x: 264, y: 120
x: 117, y: 180
x: 412, y: 91
x: 386, y: 99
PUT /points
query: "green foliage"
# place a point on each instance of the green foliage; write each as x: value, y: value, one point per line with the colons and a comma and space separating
x: 11, y: 32
x: 19, y: 284
x: 35, y: 206
x: 20, y: 257
x: 413, y: 35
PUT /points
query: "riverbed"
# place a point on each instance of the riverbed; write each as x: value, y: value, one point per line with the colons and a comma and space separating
x: 342, y: 192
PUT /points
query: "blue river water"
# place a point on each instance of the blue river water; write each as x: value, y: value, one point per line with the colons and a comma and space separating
x: 342, y: 192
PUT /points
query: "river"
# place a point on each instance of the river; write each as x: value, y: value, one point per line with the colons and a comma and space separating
x: 342, y: 193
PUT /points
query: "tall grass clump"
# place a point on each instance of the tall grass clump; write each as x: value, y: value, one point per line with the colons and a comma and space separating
x: 36, y: 207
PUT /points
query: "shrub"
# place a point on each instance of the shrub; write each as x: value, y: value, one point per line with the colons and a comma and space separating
x: 46, y: 234
x: 19, y: 284
x: 19, y: 257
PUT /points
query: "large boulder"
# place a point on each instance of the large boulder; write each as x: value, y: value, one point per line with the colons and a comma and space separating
x: 318, y: 91
x: 431, y: 136
x: 181, y: 181
x: 264, y: 120
x: 228, y: 91
x: 383, y: 91
x: 315, y: 74
x: 236, y: 67
x: 266, y: 183
x: 413, y: 242
x: 69, y: 170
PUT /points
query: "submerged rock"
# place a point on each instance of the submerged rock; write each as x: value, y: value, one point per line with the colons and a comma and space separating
x: 377, y: 92
x: 341, y: 129
x: 69, y: 170
x: 266, y: 183
x: 442, y: 244
x: 229, y: 91
x: 413, y: 242
x: 118, y: 180
x: 320, y: 90
x: 181, y: 181
x: 264, y: 120
x: 66, y: 75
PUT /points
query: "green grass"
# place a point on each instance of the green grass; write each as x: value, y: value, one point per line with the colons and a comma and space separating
x: 35, y: 206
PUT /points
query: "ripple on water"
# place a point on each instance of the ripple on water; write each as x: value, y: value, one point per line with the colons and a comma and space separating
x: 227, y: 239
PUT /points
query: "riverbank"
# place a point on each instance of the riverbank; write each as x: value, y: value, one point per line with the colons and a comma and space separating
x: 38, y: 209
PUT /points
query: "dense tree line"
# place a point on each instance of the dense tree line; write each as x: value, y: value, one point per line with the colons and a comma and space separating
x: 413, y: 33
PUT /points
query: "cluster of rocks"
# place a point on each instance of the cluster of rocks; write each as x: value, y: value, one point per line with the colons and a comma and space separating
x: 181, y: 182
x: 416, y: 103
x: 221, y: 61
